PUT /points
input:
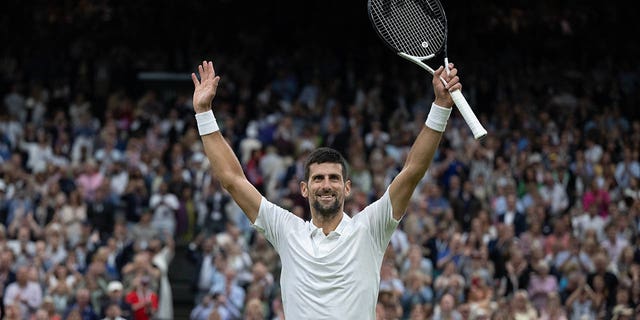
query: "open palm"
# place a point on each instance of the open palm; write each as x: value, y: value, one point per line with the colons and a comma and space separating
x: 205, y: 88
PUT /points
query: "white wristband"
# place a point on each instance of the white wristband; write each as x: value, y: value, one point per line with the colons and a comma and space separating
x: 438, y: 116
x: 206, y: 123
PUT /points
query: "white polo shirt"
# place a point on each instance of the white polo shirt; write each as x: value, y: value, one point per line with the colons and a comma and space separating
x: 329, y: 277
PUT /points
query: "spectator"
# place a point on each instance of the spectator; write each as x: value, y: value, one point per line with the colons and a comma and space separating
x: 541, y: 285
x: 606, y: 278
x: 164, y: 206
x: 24, y: 293
x: 72, y: 215
x: 417, y: 291
x: 580, y: 303
x: 446, y: 309
x: 511, y: 216
x: 162, y: 254
x: 115, y: 296
x: 144, y: 302
x: 89, y: 180
x: 113, y: 312
x: 521, y: 306
x: 82, y: 306
x: 253, y: 310
x: 61, y: 284
x: 203, y: 309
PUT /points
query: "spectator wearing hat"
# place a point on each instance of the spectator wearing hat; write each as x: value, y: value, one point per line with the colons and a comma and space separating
x: 115, y: 296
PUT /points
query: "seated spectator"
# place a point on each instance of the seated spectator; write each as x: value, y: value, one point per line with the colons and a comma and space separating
x: 541, y: 284
x: 82, y: 306
x: 61, y: 283
x: 553, y: 310
x: 48, y: 307
x: 580, y: 303
x: 521, y: 306
x: 140, y: 266
x: 202, y: 310
x: 113, y: 312
x: 480, y: 293
x: 518, y: 272
x: 164, y: 205
x: 449, y: 282
x: 417, y: 291
x: 24, y: 293
x: 254, y: 310
x: 416, y: 262
x: 446, y: 309
x: 89, y: 180
x: 115, y: 296
x: 143, y: 300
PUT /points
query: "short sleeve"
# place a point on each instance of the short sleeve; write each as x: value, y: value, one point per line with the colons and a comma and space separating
x: 378, y: 217
x: 275, y: 222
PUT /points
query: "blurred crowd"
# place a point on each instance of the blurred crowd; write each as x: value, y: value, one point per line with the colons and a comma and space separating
x: 101, y: 176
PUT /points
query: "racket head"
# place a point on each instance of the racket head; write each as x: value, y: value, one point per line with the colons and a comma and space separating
x: 414, y: 27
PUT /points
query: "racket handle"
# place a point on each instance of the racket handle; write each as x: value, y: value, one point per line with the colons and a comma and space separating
x: 472, y: 121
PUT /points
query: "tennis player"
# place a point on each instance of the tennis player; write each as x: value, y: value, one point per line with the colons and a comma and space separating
x: 331, y: 264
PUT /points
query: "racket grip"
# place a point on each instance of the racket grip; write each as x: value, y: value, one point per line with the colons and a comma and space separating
x: 472, y: 121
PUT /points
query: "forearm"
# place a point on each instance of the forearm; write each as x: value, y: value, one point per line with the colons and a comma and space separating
x: 421, y: 154
x: 227, y: 169
x: 418, y: 161
x: 224, y: 163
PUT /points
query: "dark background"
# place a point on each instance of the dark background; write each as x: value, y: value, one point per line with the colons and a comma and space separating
x: 489, y: 39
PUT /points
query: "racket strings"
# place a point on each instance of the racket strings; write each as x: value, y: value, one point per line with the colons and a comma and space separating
x: 394, y: 24
x: 409, y: 25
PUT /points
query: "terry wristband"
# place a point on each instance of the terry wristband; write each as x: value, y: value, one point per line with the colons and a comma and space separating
x: 206, y: 123
x: 438, y: 116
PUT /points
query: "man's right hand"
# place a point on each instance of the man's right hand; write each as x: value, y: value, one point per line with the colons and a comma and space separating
x: 205, y: 88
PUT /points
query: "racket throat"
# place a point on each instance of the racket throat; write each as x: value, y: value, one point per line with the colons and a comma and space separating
x: 418, y: 60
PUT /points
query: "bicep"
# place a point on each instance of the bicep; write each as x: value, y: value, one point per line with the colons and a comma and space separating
x: 246, y: 196
x: 400, y: 191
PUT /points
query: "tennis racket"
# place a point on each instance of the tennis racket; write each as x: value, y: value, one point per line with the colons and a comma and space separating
x: 417, y: 31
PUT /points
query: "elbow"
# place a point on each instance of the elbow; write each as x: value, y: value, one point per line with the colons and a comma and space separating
x: 230, y: 182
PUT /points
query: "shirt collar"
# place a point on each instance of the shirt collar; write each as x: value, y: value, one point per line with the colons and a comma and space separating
x: 340, y: 229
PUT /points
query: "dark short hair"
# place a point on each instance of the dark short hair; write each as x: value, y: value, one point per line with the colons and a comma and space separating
x: 326, y: 155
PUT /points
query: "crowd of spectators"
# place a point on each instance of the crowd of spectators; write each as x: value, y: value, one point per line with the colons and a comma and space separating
x: 101, y: 176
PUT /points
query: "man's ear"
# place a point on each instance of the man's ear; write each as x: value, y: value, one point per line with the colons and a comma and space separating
x: 304, y: 189
x: 347, y: 188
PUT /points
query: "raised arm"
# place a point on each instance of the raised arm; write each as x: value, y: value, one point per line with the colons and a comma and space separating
x: 224, y: 163
x: 424, y: 147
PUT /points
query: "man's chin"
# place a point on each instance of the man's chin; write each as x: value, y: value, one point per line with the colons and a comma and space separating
x: 329, y: 211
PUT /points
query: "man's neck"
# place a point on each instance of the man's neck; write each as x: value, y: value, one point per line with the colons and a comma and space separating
x: 327, y: 224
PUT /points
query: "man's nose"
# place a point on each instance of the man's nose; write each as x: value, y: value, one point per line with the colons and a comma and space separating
x: 325, y: 184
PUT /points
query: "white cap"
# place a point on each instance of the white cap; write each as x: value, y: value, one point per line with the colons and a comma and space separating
x: 114, y: 285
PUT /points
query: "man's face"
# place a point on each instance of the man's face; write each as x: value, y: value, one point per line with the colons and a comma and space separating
x: 326, y: 188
